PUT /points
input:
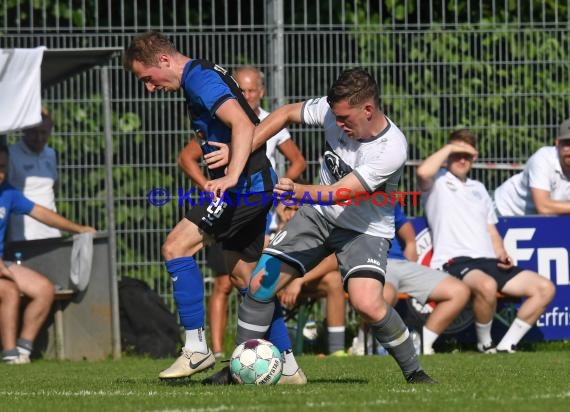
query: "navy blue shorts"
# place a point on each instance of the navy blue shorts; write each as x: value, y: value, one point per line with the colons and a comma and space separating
x: 462, y: 265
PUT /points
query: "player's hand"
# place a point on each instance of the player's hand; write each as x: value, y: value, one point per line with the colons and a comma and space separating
x: 505, y: 262
x: 290, y: 294
x: 219, y: 186
x: 86, y: 229
x: 218, y: 158
x: 462, y: 147
x: 284, y: 185
x: 5, y: 272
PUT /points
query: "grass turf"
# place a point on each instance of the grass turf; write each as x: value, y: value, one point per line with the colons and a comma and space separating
x: 528, y: 381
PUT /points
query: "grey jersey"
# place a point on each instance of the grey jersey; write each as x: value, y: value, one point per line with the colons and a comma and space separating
x: 377, y: 163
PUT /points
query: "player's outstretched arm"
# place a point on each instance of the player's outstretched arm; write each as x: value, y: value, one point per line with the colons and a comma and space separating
x: 277, y: 120
x: 56, y: 220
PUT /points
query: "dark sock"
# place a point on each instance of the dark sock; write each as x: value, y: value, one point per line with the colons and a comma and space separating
x: 393, y: 334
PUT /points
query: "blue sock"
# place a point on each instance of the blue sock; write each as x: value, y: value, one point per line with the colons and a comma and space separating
x: 188, y: 287
x: 278, y: 334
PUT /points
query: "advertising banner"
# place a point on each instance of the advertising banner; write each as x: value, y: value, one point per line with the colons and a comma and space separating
x: 538, y: 243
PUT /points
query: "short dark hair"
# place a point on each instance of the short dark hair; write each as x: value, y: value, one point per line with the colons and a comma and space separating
x: 465, y: 136
x: 146, y: 47
x: 355, y: 86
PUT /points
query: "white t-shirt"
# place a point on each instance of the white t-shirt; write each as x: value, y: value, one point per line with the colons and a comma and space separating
x: 458, y: 214
x: 274, y: 141
x: 35, y: 175
x: 542, y: 171
x: 378, y: 164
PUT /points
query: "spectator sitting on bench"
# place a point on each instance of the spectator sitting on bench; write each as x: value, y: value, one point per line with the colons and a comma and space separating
x: 405, y: 275
x: 9, y: 306
x: 466, y: 242
x: 323, y: 279
x: 36, y: 288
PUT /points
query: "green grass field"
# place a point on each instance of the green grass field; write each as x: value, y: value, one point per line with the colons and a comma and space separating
x: 527, y: 381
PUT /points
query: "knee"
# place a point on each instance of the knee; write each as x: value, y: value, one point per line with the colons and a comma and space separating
x: 486, y: 288
x: 9, y: 292
x: 44, y: 290
x: 332, y: 284
x: 223, y: 285
x: 460, y: 293
x: 546, y: 290
x: 371, y: 311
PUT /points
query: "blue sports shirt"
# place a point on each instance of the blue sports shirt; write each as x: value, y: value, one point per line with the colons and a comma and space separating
x: 206, y: 86
x: 11, y: 201
x: 396, y: 251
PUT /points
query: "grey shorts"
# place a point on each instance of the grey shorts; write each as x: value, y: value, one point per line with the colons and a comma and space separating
x: 416, y: 280
x: 308, y: 238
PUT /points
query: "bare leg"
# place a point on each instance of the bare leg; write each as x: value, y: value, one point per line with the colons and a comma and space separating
x: 218, y: 311
x: 9, y: 307
x: 451, y: 296
x: 40, y: 291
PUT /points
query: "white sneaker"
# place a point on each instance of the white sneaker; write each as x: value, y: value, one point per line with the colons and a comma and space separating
x: 512, y: 349
x: 357, y: 348
x: 298, y: 378
x: 188, y: 364
x: 487, y: 349
x: 18, y: 360
x: 428, y: 351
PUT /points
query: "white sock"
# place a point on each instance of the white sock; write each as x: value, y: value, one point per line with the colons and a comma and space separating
x: 484, y: 333
x: 361, y: 334
x: 515, y: 333
x: 196, y: 340
x: 428, y: 338
x: 290, y: 365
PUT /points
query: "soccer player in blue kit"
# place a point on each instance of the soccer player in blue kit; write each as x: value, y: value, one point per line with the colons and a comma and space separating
x: 237, y: 215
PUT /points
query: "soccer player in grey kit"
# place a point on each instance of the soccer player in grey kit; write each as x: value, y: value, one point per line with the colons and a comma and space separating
x: 364, y: 153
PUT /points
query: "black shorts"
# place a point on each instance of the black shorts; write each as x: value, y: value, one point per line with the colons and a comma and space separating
x: 239, y: 223
x: 215, y: 259
x: 462, y: 265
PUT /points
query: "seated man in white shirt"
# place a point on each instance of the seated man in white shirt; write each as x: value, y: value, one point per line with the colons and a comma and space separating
x: 543, y: 187
x: 33, y: 170
x: 466, y: 243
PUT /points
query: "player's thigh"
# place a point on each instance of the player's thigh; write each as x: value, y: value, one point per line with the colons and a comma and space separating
x: 481, y: 282
x: 185, y: 239
x: 447, y: 288
x: 301, y: 243
x: 359, y: 254
x: 525, y: 283
x: 31, y: 283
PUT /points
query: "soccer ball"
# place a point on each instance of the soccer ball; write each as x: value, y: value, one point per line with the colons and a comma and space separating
x: 256, y: 362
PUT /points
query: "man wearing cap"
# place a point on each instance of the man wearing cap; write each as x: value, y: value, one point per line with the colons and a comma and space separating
x: 543, y: 187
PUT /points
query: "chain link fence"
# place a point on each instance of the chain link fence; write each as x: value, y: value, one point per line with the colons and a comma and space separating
x: 499, y: 67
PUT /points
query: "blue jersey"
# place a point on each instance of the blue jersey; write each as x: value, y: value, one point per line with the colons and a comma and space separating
x: 11, y: 201
x: 396, y: 251
x: 206, y: 86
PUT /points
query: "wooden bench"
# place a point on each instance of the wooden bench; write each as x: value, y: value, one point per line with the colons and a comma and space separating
x: 61, y: 296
